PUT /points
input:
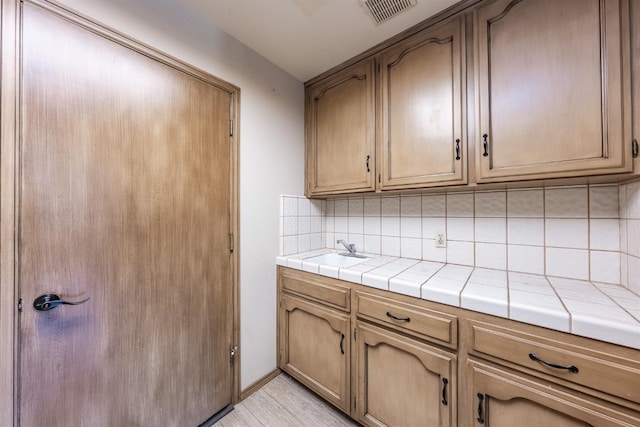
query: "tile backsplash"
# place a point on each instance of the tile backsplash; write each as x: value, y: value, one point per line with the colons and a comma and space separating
x: 582, y: 232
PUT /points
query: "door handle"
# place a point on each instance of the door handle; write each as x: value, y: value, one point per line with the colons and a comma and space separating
x: 46, y: 302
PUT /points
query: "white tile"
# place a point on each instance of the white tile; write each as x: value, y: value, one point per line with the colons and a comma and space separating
x: 460, y: 229
x: 281, y: 260
x: 391, y: 206
x: 547, y: 312
x: 390, y: 246
x: 460, y: 205
x: 372, y: 244
x: 491, y: 230
x: 571, y: 263
x: 525, y: 231
x: 390, y: 226
x: 290, y: 206
x: 411, y: 248
x: 304, y: 243
x: 633, y: 200
x: 357, y: 240
x: 372, y: 206
x: 603, y: 202
x: 443, y: 290
x: 294, y: 263
x: 330, y: 240
x: 315, y: 240
x: 290, y: 225
x: 531, y: 283
x: 411, y: 227
x: 525, y: 203
x: 489, y: 255
x: 633, y: 237
x: 433, y: 205
x: 431, y: 253
x: 304, y: 225
x: 626, y: 334
x: 571, y: 202
x: 356, y: 225
x: 460, y: 253
x: 329, y: 208
x: 341, y: 207
x: 485, y: 299
x: 491, y: 204
x: 633, y: 273
x: 622, y: 200
x: 526, y: 259
x: 356, y: 206
x: 623, y: 236
x: 405, y: 287
x: 330, y: 224
x: 341, y: 224
x: 624, y: 270
x: 330, y: 271
x: 411, y: 205
x: 604, y: 234
x: 372, y: 225
x: 567, y: 233
x: 315, y: 224
x: 316, y: 207
x: 431, y: 226
x: 350, y: 275
x: 304, y: 207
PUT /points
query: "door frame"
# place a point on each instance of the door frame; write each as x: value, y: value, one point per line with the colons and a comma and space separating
x: 10, y: 137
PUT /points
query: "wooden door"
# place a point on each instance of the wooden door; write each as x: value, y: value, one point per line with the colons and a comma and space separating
x: 124, y: 200
x: 315, y: 348
x: 504, y: 399
x: 553, y: 88
x: 403, y: 382
x: 422, y: 139
x: 340, y: 141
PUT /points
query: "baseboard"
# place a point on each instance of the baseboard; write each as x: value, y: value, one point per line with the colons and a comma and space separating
x: 258, y: 384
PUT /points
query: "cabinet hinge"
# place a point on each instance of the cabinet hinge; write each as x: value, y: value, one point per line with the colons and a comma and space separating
x: 379, y: 177
x: 230, y: 242
x: 378, y: 68
x: 233, y: 350
x: 231, y: 127
x: 634, y: 148
x: 354, y: 403
x: 354, y: 334
x: 20, y: 305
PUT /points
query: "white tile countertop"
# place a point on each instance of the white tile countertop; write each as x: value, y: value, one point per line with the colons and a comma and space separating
x: 605, y: 312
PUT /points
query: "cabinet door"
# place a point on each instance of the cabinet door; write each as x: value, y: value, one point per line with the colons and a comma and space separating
x: 553, y: 88
x: 403, y: 382
x: 314, y: 348
x: 422, y: 137
x: 503, y: 399
x: 340, y: 140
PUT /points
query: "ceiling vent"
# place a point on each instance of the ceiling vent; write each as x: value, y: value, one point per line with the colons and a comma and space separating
x: 383, y: 10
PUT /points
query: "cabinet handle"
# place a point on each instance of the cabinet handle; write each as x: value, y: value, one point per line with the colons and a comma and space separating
x: 401, y: 319
x: 341, y: 343
x: 570, y: 368
x: 458, y: 149
x: 485, y: 145
x: 480, y: 407
x: 368, y: 169
x: 444, y: 391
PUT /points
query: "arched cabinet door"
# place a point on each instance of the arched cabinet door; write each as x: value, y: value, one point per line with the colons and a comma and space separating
x: 422, y: 132
x: 340, y: 132
x: 553, y: 89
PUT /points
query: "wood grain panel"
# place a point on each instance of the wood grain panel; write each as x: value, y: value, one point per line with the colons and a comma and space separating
x: 125, y: 199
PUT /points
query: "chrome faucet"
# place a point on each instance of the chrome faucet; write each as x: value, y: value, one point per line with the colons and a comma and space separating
x: 349, y: 246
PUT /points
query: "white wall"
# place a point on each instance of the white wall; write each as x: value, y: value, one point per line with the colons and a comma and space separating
x: 271, y: 146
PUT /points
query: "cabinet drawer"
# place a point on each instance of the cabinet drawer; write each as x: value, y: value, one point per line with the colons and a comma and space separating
x: 586, y: 363
x: 316, y: 288
x: 412, y: 319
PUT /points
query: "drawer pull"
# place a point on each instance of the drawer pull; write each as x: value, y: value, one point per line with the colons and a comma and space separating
x: 570, y: 368
x: 480, y: 400
x: 444, y: 391
x: 401, y: 319
x: 485, y: 145
x: 342, y: 343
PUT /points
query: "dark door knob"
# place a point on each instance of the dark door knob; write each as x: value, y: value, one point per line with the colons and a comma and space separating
x: 48, y: 301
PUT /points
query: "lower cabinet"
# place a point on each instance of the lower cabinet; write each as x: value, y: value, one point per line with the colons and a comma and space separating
x: 403, y: 382
x: 315, y: 348
x: 506, y: 399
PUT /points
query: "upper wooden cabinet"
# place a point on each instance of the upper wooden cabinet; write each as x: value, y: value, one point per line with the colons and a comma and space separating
x: 422, y: 133
x: 340, y: 132
x: 553, y: 89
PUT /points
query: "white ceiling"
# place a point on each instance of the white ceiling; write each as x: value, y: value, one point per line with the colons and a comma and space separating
x: 308, y: 37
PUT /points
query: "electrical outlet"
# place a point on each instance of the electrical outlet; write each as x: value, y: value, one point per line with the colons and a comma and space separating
x: 441, y: 239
